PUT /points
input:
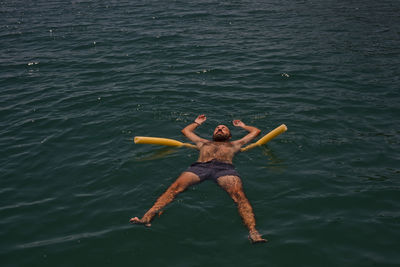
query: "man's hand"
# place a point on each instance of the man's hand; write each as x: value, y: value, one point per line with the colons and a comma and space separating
x: 200, y: 119
x: 238, y: 123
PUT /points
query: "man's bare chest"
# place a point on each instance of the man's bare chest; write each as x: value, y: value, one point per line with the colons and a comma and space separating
x: 216, y: 149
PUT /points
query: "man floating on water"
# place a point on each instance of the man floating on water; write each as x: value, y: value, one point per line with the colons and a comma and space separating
x: 214, y: 163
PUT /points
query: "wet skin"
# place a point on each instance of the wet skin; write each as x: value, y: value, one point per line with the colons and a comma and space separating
x: 220, y: 149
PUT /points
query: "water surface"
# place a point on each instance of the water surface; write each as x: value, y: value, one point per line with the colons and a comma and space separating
x: 80, y: 79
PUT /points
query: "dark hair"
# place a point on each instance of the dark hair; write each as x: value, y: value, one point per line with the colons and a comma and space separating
x: 221, y: 138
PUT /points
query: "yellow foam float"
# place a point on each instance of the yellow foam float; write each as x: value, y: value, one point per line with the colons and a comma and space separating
x: 161, y: 141
x: 171, y: 142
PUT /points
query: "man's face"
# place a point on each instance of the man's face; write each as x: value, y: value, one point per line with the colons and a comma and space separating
x: 221, y: 133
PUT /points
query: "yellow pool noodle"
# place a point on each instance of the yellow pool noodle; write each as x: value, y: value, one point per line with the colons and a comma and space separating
x: 161, y: 141
x: 266, y: 138
x: 171, y: 142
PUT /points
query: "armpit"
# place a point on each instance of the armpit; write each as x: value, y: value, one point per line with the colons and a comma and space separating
x: 200, y: 144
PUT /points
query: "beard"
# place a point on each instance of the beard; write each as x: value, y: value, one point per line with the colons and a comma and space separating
x: 219, y: 137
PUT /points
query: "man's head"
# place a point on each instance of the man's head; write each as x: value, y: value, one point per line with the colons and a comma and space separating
x: 221, y: 133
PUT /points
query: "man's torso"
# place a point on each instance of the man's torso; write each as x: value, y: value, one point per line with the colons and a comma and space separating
x: 221, y: 151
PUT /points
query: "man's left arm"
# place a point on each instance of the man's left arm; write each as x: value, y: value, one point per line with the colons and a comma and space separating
x: 253, y: 133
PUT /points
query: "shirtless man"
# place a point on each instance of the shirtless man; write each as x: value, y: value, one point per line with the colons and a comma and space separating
x: 214, y: 163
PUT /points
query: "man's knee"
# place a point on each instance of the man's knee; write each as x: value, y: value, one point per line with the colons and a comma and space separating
x: 237, y: 195
x: 183, y: 182
x: 178, y: 186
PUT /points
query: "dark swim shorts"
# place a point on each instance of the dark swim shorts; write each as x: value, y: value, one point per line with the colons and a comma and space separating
x: 212, y: 170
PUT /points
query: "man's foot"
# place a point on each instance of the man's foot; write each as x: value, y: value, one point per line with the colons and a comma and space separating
x: 255, y: 237
x: 136, y: 220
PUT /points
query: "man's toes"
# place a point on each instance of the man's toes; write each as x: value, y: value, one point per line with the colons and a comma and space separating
x: 134, y: 220
x: 261, y: 240
x: 256, y: 238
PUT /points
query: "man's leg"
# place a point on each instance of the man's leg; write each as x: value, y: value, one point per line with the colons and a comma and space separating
x: 233, y: 186
x: 185, y: 180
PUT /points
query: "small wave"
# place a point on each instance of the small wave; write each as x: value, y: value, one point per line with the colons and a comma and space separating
x: 69, y: 238
x: 25, y: 204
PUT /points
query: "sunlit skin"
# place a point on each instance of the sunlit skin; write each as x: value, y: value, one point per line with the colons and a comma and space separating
x: 223, y: 150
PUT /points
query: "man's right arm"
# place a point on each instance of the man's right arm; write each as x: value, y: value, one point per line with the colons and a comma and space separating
x: 188, y: 131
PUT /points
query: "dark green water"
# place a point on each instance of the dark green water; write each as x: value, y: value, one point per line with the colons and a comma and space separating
x: 80, y: 79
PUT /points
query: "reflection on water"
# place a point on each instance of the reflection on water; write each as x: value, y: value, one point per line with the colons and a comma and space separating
x: 156, y: 153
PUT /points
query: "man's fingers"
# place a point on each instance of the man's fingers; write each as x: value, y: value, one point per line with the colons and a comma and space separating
x: 238, y: 123
x: 202, y: 117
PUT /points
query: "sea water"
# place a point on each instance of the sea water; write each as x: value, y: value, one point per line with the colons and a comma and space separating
x: 80, y: 79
